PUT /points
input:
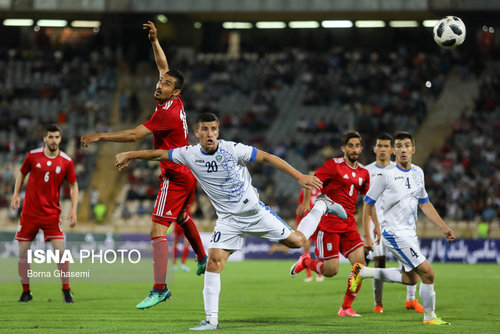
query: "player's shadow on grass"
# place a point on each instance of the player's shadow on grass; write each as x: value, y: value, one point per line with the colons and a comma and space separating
x: 272, y: 321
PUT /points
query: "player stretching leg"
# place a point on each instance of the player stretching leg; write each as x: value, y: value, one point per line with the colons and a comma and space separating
x: 219, y: 167
x: 169, y: 128
x: 47, y: 167
x: 342, y: 179
x: 382, y: 150
x: 403, y: 188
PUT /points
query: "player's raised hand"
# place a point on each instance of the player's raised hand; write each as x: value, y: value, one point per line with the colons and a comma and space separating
x: 15, y: 203
x: 310, y: 182
x: 152, y: 30
x: 303, y: 208
x: 72, y: 217
x: 121, y: 161
x: 87, y: 139
x: 450, y: 235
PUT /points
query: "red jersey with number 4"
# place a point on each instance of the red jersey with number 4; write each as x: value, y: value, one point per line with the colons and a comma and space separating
x: 342, y: 184
x: 46, y: 174
x: 170, y: 130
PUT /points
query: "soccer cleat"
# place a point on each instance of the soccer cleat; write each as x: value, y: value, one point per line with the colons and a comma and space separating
x: 67, y: 296
x: 414, y: 305
x: 26, y: 296
x: 320, y: 278
x: 378, y: 309
x: 154, y: 297
x: 298, y: 266
x: 200, y: 270
x: 308, y: 279
x: 185, y: 268
x: 348, y: 312
x: 356, y: 276
x: 332, y: 207
x: 205, y: 326
x: 436, y: 321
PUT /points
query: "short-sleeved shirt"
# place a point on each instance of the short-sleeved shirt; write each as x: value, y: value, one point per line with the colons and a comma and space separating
x: 373, y: 168
x: 402, y: 191
x: 342, y: 183
x: 46, y: 174
x: 170, y: 130
x: 223, y: 175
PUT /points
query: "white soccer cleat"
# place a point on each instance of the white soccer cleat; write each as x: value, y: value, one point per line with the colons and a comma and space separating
x: 205, y: 326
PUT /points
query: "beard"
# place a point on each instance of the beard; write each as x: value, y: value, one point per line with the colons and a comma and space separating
x: 353, y: 157
x: 53, y: 147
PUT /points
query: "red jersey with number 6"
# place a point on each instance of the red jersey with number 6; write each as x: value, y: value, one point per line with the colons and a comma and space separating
x: 46, y: 174
x: 170, y: 130
x: 342, y: 183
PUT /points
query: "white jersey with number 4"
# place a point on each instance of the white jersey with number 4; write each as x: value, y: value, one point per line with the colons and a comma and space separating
x: 401, y: 190
x: 223, y: 175
x: 373, y: 169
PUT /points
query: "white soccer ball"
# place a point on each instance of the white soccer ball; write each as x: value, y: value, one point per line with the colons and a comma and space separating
x: 449, y: 32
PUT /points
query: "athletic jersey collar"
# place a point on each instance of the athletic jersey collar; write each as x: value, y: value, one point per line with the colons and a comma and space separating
x: 48, y: 156
x: 201, y: 150
x: 402, y: 169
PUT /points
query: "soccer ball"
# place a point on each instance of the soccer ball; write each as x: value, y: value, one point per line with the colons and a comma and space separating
x: 449, y: 32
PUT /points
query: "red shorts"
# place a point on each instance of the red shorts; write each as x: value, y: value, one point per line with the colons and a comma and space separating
x: 174, y: 198
x: 328, y: 244
x: 29, y: 227
x: 178, y: 231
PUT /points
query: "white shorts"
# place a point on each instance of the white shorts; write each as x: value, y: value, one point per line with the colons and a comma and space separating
x: 405, y: 249
x: 229, y: 232
x: 378, y: 250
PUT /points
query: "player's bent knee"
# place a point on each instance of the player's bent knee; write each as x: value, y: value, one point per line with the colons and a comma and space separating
x: 295, y: 240
x: 329, y: 272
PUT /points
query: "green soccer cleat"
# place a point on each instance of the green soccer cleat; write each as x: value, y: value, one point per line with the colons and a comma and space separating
x: 200, y: 270
x: 436, y: 321
x: 154, y: 297
x: 356, y: 276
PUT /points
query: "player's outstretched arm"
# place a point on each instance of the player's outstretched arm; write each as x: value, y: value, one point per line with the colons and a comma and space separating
x: 368, y: 242
x: 160, y: 58
x: 305, y: 205
x: 73, y: 194
x: 16, y: 202
x: 430, y: 211
x: 306, y: 181
x: 129, y: 135
x: 122, y: 159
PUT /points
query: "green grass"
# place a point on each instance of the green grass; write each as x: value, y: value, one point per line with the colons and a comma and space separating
x: 257, y: 297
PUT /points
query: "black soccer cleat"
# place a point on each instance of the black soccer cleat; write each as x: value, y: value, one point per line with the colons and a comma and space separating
x: 67, y: 296
x: 26, y: 297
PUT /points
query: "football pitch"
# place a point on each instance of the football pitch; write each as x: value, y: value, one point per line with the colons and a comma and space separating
x: 258, y: 296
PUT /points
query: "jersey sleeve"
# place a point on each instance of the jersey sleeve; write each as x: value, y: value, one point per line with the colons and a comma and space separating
x: 160, y: 121
x: 70, y: 173
x: 245, y: 152
x: 377, y: 187
x: 366, y: 185
x: 179, y: 155
x: 423, y: 197
x: 325, y: 172
x: 26, y: 166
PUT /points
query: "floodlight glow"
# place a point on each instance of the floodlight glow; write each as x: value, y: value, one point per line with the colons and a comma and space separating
x: 403, y: 24
x: 270, y: 25
x: 370, y: 24
x: 336, y: 24
x: 18, y: 22
x: 85, y: 24
x: 429, y: 23
x: 303, y: 24
x: 52, y: 23
x: 237, y: 25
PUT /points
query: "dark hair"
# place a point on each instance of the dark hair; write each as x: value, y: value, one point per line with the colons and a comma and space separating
x: 206, y: 117
x: 404, y: 135
x: 179, y: 78
x: 348, y: 136
x: 53, y: 128
x: 385, y: 136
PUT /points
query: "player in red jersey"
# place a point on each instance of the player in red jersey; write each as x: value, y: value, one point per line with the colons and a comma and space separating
x: 343, y: 178
x: 169, y: 128
x: 306, y: 202
x: 48, y: 167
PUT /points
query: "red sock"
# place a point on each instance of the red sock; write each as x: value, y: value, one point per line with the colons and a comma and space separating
x: 185, y: 253
x: 160, y: 261
x: 22, y: 269
x: 64, y: 268
x: 313, y: 265
x: 191, y: 233
x: 308, y: 272
x: 349, y: 296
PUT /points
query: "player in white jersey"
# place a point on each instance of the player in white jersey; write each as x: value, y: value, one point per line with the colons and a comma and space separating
x: 382, y: 150
x: 219, y: 167
x: 403, y: 188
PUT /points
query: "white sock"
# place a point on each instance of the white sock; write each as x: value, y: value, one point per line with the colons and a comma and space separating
x: 310, y: 222
x: 211, y: 293
x: 410, y: 292
x: 428, y: 297
x: 391, y: 275
x: 378, y: 287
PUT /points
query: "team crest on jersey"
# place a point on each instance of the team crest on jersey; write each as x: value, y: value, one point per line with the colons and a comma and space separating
x: 58, y: 169
x: 218, y: 158
x: 353, y: 174
x: 49, y: 163
x: 360, y: 181
x: 414, y: 176
x: 329, y: 246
